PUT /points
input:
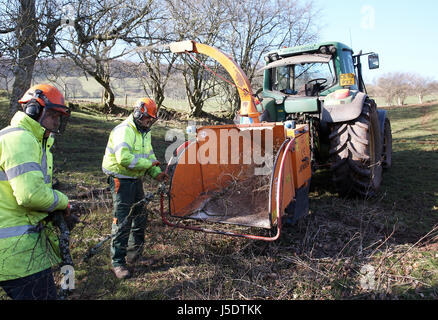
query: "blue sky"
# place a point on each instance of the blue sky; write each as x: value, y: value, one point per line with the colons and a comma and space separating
x: 404, y: 33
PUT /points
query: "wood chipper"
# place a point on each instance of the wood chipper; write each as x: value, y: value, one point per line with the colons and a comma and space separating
x: 251, y: 174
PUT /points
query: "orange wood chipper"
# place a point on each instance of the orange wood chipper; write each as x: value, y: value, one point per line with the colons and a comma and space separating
x: 251, y: 174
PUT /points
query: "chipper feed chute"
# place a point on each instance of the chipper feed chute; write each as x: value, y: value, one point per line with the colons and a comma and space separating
x: 243, y: 174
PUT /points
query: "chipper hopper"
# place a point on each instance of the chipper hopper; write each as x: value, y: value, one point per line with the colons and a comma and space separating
x: 252, y: 174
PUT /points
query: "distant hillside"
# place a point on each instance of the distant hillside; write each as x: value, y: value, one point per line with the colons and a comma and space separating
x: 128, y: 79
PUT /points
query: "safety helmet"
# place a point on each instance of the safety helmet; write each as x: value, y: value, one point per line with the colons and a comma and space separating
x: 145, y: 106
x: 42, y: 98
x: 47, y: 96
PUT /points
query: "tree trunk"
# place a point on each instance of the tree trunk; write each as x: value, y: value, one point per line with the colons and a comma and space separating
x: 27, y: 53
x: 158, y: 97
x: 108, y: 94
x: 196, y: 110
x: 196, y: 103
x: 108, y: 98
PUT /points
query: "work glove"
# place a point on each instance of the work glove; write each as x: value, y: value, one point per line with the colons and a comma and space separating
x: 70, y: 218
x: 155, y: 163
x: 162, y: 177
x: 71, y: 221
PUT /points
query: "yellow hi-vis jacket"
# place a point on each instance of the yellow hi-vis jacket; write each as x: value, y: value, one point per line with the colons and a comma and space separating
x: 129, y: 153
x: 27, y: 243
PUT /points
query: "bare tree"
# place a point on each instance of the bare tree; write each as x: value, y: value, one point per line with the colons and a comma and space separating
x: 156, y: 67
x: 27, y: 28
x: 246, y: 30
x: 434, y: 87
x: 421, y: 86
x: 204, y: 22
x: 258, y: 26
x: 102, y: 31
x: 6, y: 75
x: 395, y: 86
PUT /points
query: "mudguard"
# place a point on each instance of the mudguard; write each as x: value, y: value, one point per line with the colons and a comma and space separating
x: 343, y: 112
x: 382, y: 117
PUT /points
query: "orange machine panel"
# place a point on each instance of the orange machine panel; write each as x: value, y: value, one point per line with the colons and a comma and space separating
x: 286, y: 181
x: 220, y: 156
x: 301, y: 158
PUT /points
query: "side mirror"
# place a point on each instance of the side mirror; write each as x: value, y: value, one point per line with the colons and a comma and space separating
x: 373, y: 61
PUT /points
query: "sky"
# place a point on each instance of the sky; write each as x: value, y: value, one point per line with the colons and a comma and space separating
x: 404, y: 33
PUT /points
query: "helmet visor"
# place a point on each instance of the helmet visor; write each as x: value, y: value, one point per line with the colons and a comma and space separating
x: 55, y: 119
x: 59, y: 108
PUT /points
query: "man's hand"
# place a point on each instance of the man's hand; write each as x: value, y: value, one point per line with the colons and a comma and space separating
x: 155, y: 163
x: 67, y: 211
x: 162, y: 176
x: 71, y: 221
x: 70, y: 218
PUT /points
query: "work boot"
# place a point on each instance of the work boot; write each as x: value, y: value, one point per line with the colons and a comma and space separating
x: 140, y: 260
x: 121, y: 272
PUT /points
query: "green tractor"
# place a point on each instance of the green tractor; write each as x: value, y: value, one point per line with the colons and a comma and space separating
x: 321, y: 85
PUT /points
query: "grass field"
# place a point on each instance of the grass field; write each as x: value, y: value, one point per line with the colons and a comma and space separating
x: 391, y: 240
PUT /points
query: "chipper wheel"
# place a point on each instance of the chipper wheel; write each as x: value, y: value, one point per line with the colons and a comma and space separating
x: 355, y: 152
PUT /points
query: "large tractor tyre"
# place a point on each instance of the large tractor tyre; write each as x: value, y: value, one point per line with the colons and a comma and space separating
x: 355, y: 153
x: 387, y: 145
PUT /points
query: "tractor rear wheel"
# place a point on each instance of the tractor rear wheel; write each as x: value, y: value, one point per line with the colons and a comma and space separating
x: 355, y: 153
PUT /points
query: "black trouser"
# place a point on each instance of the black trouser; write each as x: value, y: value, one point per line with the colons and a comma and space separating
x: 127, y: 239
x: 38, y: 286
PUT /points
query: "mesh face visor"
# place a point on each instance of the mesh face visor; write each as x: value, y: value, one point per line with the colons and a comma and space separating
x: 145, y: 121
x: 150, y: 119
x: 55, y: 118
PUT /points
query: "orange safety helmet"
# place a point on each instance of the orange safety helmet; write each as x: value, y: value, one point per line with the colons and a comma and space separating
x: 47, y: 96
x: 145, y: 106
x: 41, y: 99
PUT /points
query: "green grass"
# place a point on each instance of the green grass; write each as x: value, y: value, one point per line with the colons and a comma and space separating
x: 415, y: 167
x: 409, y: 100
x: 319, y: 258
x: 4, y: 105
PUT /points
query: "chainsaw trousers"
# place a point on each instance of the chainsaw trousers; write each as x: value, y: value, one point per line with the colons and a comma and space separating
x: 37, y: 286
x: 128, y: 228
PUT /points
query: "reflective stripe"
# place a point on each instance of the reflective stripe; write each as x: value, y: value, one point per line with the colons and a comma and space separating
x: 138, y: 156
x: 110, y: 173
x: 55, y: 202
x: 21, y: 169
x: 47, y: 178
x: 118, y: 147
x: 24, y: 167
x: 6, y: 131
x: 133, y: 162
x: 18, y: 231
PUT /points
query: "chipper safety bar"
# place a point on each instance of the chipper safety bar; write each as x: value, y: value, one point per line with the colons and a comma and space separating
x: 249, y: 174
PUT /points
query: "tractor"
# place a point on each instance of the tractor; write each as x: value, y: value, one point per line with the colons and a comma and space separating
x: 256, y: 173
x: 321, y: 85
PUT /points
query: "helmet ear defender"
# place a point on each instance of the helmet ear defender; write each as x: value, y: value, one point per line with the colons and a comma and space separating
x: 33, y: 108
x: 138, y: 111
x: 137, y: 114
